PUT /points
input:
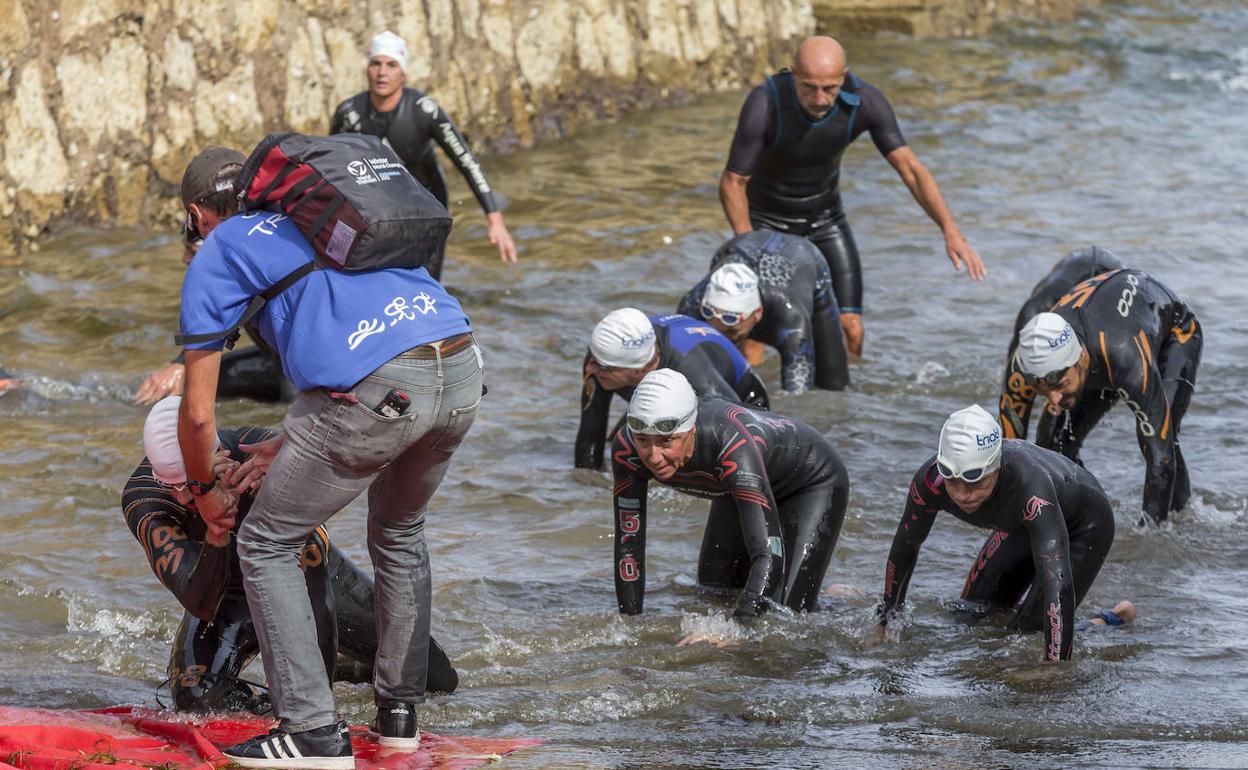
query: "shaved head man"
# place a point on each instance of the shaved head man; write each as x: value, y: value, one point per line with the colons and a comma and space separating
x: 783, y: 172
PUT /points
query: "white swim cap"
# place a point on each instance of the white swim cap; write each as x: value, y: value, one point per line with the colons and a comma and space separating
x: 625, y: 339
x: 160, y: 441
x: 389, y: 44
x: 1047, y: 344
x: 663, y: 403
x: 970, y: 445
x: 733, y: 288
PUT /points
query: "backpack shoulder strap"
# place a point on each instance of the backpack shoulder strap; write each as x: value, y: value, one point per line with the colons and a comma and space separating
x: 257, y: 303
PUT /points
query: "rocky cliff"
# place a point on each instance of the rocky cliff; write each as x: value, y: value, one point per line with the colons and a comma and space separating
x: 102, y: 102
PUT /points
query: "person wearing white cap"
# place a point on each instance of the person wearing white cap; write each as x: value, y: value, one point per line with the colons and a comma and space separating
x: 1017, y: 394
x: 774, y: 289
x: 1051, y: 523
x: 627, y: 344
x: 412, y: 123
x: 198, y: 562
x: 777, y: 486
x: 1119, y: 336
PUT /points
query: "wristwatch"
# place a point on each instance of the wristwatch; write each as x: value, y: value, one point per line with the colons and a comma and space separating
x: 200, y: 487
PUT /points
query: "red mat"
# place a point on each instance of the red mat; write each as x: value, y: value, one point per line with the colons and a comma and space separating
x: 126, y: 738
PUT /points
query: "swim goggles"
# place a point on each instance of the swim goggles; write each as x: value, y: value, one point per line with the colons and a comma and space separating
x: 1052, y: 379
x: 663, y: 426
x: 969, y: 475
x: 723, y: 316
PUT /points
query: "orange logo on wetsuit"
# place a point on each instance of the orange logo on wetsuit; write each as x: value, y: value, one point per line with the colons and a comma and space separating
x: 1079, y: 295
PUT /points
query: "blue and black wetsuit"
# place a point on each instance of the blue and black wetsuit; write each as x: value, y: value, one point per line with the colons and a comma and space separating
x: 708, y: 359
x: 800, y: 316
x: 778, y: 491
x: 412, y: 129
x: 1143, y: 345
x: 1052, y: 528
x: 794, y: 167
x: 217, y: 639
x: 1016, y: 395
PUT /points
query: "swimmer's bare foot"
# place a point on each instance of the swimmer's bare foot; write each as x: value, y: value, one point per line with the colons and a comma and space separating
x: 1124, y: 610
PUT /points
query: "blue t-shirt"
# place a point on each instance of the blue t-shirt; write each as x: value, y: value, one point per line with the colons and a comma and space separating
x: 332, y: 328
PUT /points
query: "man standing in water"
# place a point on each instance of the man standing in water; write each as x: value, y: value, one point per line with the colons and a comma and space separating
x: 410, y: 123
x: 783, y: 172
x: 349, y: 430
x: 1052, y: 527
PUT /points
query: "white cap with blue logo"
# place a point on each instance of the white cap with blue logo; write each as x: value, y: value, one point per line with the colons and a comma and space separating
x: 733, y: 288
x: 970, y: 445
x: 624, y: 339
x: 1047, y: 344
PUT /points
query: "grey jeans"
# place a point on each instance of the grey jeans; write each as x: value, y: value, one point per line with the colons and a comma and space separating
x: 332, y: 450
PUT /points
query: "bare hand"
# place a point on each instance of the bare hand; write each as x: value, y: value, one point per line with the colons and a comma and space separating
x: 160, y: 383
x: 961, y: 253
x: 218, y: 508
x: 222, y: 464
x: 500, y: 237
x: 250, y: 475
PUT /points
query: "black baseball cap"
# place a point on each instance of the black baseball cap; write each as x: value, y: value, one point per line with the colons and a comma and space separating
x: 210, y: 172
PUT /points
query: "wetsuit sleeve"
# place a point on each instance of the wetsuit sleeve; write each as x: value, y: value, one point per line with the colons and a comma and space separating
x: 455, y: 146
x: 742, y: 469
x: 630, y: 525
x: 591, y: 435
x: 876, y: 115
x: 922, y: 505
x: 1017, y: 397
x: 690, y: 304
x: 195, y: 572
x: 752, y: 391
x: 1050, y: 551
x: 751, y: 137
x: 794, y: 340
x: 338, y: 121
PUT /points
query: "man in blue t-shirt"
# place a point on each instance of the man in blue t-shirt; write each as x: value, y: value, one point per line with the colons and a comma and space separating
x: 361, y: 348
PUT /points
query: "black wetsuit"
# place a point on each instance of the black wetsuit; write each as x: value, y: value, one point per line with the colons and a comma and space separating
x: 411, y: 129
x: 800, y: 316
x: 794, y: 166
x: 1016, y: 394
x: 778, y: 491
x: 216, y: 639
x: 1143, y: 345
x: 708, y: 359
x: 1052, y: 528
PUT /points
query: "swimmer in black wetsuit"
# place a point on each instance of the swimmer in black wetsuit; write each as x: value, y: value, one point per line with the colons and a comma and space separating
x: 1120, y: 335
x: 252, y: 372
x: 216, y: 639
x: 778, y: 491
x: 625, y: 345
x: 1052, y: 527
x: 1017, y: 394
x: 776, y: 289
x: 410, y: 123
x: 783, y: 171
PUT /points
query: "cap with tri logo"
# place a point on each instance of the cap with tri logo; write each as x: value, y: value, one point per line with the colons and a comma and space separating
x: 1047, y: 344
x: 970, y: 445
x: 623, y: 339
x: 733, y: 288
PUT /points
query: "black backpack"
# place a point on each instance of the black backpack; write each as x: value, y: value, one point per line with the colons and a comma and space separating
x: 350, y: 196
